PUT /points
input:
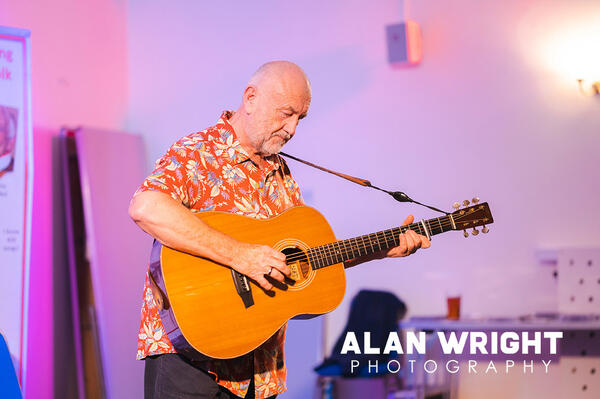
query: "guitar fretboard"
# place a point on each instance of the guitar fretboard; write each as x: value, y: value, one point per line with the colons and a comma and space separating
x: 345, y: 250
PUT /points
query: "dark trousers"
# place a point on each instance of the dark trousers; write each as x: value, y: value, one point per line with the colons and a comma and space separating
x: 171, y: 376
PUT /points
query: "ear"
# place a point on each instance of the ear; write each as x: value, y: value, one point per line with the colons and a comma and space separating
x: 249, y: 99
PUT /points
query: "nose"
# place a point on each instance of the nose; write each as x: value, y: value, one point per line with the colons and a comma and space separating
x: 290, y: 126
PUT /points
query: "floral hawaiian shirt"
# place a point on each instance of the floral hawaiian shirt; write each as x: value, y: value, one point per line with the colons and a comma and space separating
x: 210, y: 171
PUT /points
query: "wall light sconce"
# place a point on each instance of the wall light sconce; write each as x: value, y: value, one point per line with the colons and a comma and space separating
x: 594, y: 90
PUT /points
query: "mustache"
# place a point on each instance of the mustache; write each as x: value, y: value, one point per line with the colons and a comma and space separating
x: 283, y: 135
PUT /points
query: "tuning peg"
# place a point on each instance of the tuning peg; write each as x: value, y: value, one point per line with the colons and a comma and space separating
x: 456, y: 205
x: 485, y: 229
x: 475, y: 231
x: 466, y: 202
x: 466, y: 233
x: 475, y: 200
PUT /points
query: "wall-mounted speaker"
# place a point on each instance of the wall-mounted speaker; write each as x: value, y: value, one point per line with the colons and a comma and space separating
x: 404, y: 43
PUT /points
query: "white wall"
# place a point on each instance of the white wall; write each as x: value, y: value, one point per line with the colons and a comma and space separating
x: 490, y: 112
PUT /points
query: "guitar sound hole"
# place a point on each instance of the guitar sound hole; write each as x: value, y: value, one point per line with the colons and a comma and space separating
x: 298, y: 263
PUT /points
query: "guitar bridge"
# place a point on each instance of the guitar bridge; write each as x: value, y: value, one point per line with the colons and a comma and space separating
x: 299, y: 270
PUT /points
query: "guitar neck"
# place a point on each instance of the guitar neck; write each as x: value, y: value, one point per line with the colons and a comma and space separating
x: 345, y: 250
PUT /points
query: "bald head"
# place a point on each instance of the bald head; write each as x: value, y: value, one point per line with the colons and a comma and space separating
x: 277, y: 75
x: 277, y: 96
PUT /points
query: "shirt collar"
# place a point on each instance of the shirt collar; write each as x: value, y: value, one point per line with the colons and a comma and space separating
x: 240, y: 155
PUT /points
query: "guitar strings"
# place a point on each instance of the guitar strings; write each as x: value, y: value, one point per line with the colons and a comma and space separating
x: 346, y: 246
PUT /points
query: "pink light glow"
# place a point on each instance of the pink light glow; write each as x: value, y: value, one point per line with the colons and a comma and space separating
x: 415, y: 46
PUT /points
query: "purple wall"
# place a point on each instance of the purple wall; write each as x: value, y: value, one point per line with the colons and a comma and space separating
x: 485, y: 114
x: 492, y: 111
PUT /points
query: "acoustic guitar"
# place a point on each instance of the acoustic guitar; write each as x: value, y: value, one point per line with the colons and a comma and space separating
x: 211, y: 310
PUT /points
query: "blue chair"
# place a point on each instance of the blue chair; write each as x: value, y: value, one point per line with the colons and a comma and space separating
x: 9, y: 385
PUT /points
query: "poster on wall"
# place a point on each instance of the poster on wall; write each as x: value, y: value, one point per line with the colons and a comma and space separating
x: 16, y: 178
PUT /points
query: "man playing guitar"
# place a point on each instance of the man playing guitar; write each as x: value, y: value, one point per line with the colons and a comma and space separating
x: 232, y: 167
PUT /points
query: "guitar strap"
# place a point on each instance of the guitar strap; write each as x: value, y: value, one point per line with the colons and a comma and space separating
x: 397, y: 195
x: 357, y: 180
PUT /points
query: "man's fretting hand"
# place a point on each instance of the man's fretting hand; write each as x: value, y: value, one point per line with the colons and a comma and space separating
x: 258, y: 261
x: 410, y: 242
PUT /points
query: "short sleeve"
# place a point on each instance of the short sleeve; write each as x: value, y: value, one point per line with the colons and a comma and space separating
x: 176, y: 174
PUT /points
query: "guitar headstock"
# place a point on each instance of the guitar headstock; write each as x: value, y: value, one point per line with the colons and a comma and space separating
x: 472, y: 216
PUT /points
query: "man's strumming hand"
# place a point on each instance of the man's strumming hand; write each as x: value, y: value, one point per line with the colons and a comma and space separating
x: 259, y: 261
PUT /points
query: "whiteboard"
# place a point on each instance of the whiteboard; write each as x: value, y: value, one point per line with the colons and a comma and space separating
x: 111, y: 167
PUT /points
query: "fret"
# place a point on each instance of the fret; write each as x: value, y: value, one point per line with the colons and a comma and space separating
x: 374, y: 242
x: 336, y: 253
x: 384, y: 237
x: 339, y: 257
x: 339, y: 252
x: 392, y: 234
x: 353, y: 248
x: 321, y: 260
x: 330, y: 253
x: 426, y: 230
x: 349, y: 249
x: 326, y: 258
x: 321, y: 257
x: 343, y: 250
x: 363, y: 245
x: 417, y: 228
x: 357, y: 246
x: 377, y: 240
x: 444, y: 221
x: 440, y: 223
x: 371, y: 242
x: 348, y: 252
x: 312, y: 258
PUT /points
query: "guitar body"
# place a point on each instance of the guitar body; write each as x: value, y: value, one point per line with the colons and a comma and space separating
x: 202, y: 312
